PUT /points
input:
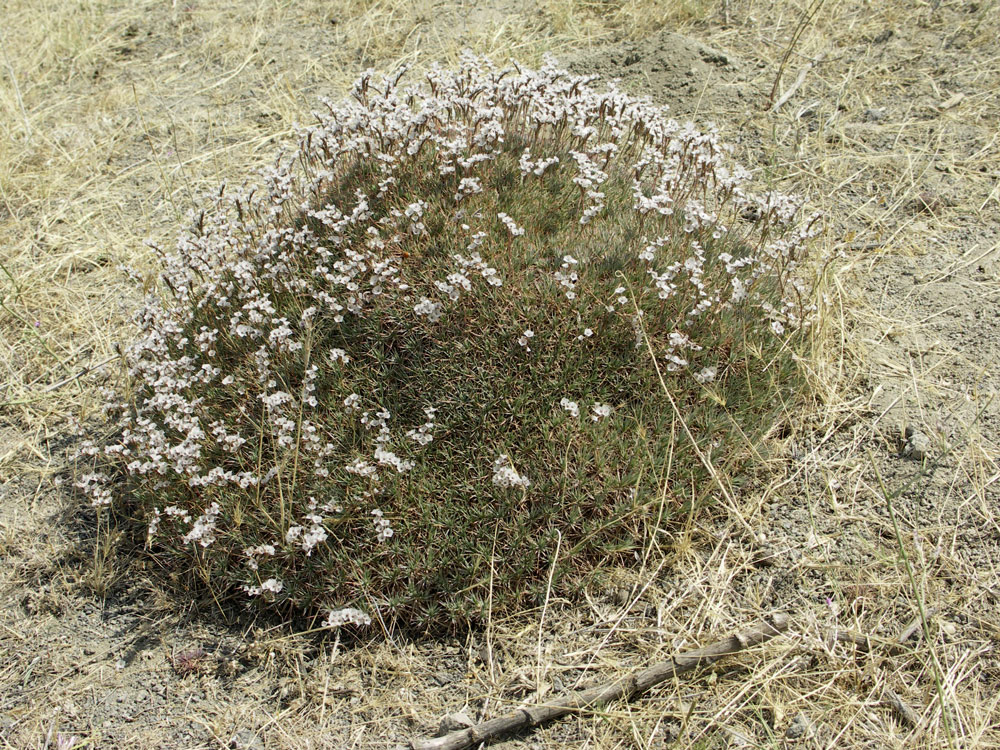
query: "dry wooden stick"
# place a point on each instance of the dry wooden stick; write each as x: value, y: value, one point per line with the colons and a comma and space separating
x: 904, y: 712
x: 596, y: 697
x: 798, y: 83
x: 84, y: 371
x: 867, y: 643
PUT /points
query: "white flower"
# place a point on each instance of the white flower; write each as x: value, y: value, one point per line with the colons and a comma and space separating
x: 777, y: 327
x: 468, y: 186
x: 432, y: 310
x: 706, y: 375
x: 382, y: 528
x: 388, y: 458
x: 601, y: 411
x: 361, y: 468
x: 505, y: 475
x: 571, y: 406
x: 568, y: 277
x: 678, y: 339
x: 271, y: 585
x: 346, y: 616
x: 203, y: 530
x: 423, y: 435
x: 512, y: 227
x: 252, y: 553
x: 96, y: 485
x: 154, y: 523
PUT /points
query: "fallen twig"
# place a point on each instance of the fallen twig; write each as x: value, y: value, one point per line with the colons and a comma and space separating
x: 867, y: 643
x: 80, y: 374
x: 903, y: 711
x: 855, y: 246
x: 790, y: 91
x: 915, y: 624
x: 621, y: 689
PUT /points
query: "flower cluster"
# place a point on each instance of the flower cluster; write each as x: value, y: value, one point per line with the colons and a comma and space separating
x: 567, y: 276
x: 505, y: 475
x: 270, y: 586
x: 423, y: 434
x: 524, y: 338
x: 600, y: 411
x: 383, y: 529
x: 570, y: 406
x: 346, y: 616
x: 306, y: 537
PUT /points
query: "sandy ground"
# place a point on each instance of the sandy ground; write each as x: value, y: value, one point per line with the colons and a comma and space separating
x: 885, y: 514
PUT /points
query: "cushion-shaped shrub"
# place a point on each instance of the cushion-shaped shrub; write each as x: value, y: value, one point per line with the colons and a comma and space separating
x: 452, y: 349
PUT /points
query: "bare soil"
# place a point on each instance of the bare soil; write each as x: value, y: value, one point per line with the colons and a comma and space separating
x: 886, y: 506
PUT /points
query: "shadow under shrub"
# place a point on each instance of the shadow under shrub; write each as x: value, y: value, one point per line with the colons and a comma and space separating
x: 437, y: 344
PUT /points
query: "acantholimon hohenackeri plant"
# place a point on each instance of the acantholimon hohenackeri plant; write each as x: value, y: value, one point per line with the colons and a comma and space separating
x: 426, y: 365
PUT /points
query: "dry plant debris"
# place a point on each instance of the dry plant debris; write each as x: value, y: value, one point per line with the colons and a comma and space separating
x: 597, y: 697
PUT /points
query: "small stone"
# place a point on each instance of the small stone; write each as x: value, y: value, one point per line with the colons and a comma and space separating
x: 737, y: 739
x: 671, y: 732
x: 453, y: 723
x: 917, y: 446
x: 244, y: 739
x: 930, y: 202
x: 800, y: 727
